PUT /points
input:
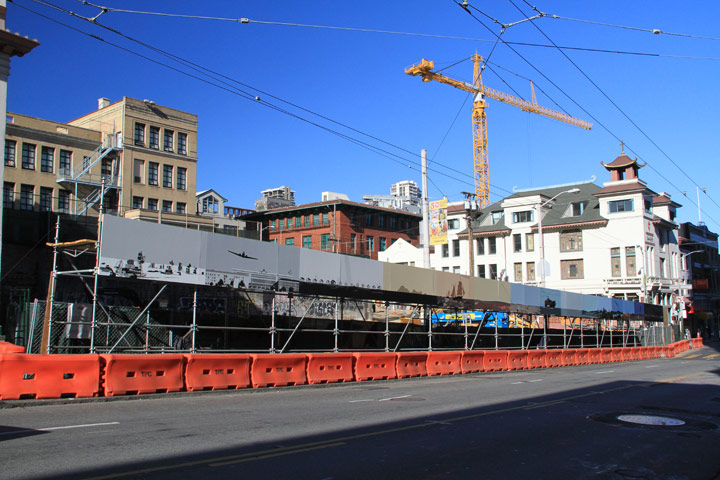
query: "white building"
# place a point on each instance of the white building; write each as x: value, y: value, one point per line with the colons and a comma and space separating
x: 619, y: 240
x: 404, y: 195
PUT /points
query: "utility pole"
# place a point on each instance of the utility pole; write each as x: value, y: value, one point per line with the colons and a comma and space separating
x: 425, y: 213
x: 470, y: 207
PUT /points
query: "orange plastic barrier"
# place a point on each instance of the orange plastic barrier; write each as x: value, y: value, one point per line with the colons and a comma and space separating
x: 553, y: 358
x: 653, y: 352
x: 569, y: 357
x: 278, y: 369
x: 627, y: 354
x: 645, y: 353
x: 330, y: 367
x: 606, y: 355
x: 217, y: 371
x: 7, y: 347
x: 517, y: 360
x: 375, y: 366
x: 412, y: 364
x: 444, y: 363
x: 495, y: 360
x: 472, y: 361
x: 617, y: 354
x: 697, y: 342
x: 536, y: 358
x: 125, y: 374
x: 594, y: 355
x: 668, y: 351
x: 48, y: 376
x: 582, y: 356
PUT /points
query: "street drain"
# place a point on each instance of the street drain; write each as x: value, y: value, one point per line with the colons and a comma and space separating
x: 651, y: 420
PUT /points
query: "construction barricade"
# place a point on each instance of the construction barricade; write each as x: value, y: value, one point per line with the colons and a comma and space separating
x: 330, y: 367
x: 606, y: 355
x: 569, y: 357
x: 536, y: 358
x: 217, y: 371
x: 278, y: 369
x: 554, y: 357
x: 495, y: 360
x: 472, y: 361
x: 412, y: 364
x: 517, y: 360
x: 375, y: 366
x: 24, y: 376
x: 594, y: 355
x: 697, y: 342
x: 124, y: 374
x: 626, y: 354
x: 582, y: 356
x: 7, y: 347
x: 444, y: 363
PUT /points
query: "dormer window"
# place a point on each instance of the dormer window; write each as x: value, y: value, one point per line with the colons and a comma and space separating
x: 577, y: 209
x: 522, y: 217
x: 496, y: 217
x: 210, y: 204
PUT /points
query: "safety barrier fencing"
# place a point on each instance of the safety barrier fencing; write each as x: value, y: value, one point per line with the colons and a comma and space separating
x: 33, y: 376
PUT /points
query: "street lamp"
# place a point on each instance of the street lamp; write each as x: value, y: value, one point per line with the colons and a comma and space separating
x: 540, y: 232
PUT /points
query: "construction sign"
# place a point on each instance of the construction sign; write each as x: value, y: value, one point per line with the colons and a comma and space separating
x: 438, y: 222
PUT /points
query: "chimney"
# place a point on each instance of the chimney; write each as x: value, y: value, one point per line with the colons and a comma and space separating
x: 103, y: 102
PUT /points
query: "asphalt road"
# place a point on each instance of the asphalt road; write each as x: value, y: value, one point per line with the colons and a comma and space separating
x: 549, y: 423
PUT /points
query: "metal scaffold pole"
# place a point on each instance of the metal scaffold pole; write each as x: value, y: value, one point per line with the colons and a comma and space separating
x: 96, y: 270
x: 387, y: 326
x: 45, y: 341
x: 194, y: 321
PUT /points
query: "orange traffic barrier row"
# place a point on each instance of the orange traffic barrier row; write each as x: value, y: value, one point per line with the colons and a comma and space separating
x: 7, y: 347
x: 56, y: 376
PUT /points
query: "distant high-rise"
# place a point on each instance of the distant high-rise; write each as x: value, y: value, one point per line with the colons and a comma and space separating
x: 275, y: 198
x: 407, y: 188
x: 404, y: 195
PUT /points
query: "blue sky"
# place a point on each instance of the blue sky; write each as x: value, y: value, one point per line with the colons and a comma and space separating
x: 357, y: 78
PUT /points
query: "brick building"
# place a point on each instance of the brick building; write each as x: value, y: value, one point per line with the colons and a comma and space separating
x: 338, y: 226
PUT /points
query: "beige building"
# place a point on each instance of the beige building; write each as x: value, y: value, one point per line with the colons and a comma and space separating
x: 134, y: 153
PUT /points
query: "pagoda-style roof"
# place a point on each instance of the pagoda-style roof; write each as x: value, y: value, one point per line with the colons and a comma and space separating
x: 622, y: 162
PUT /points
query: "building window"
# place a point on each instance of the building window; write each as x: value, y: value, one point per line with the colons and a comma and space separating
x: 523, y: 217
x: 453, y: 224
x: 154, y: 137
x: 571, y: 241
x: 140, y: 134
x: 368, y: 219
x: 618, y: 206
x: 530, y: 242
x: 615, y: 262
x: 298, y: 221
x: 393, y: 223
x: 8, y: 195
x: 325, y: 219
x: 383, y: 244
x: 63, y: 201
x: 492, y: 246
x: 180, y: 208
x: 167, y: 206
x: 493, y: 271
x: 167, y: 176
x: 496, y: 217
x: 10, y: 153
x: 139, y: 171
x: 181, y: 178
x: 630, y: 262
x: 481, y: 271
x: 325, y: 241
x: 46, y: 195
x: 27, y: 192
x: 517, y: 243
x: 307, y: 241
x: 456, y: 269
x: 28, y: 156
x: 577, y: 208
x: 648, y: 204
x: 445, y: 250
x: 65, y: 166
x: 571, y: 269
x: 153, y: 173
x: 381, y: 221
x: 352, y: 241
x: 137, y: 202
x: 306, y: 220
x: 370, y: 243
x: 456, y: 247
x: 152, y: 204
x: 290, y: 242
x: 445, y: 269
x: 480, y: 246
x: 518, y: 272
x: 530, y: 271
x: 168, y: 140
x: 272, y: 224
x: 182, y: 143
x: 316, y: 220
x: 106, y: 169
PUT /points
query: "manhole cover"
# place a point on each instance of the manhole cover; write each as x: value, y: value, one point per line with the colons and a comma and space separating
x: 651, y: 420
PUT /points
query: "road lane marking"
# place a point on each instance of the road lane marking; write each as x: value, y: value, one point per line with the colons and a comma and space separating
x: 712, y: 356
x: 693, y: 356
x: 65, y: 427
x: 393, y: 398
x: 652, y: 366
x: 681, y: 377
x: 363, y: 400
x: 516, y: 383
x: 255, y: 456
x: 533, y: 381
x: 605, y: 371
x: 544, y: 404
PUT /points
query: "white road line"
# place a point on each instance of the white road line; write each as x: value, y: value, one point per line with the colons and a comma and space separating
x: 365, y: 400
x: 605, y: 371
x: 517, y: 383
x: 393, y: 398
x: 652, y: 366
x: 533, y: 381
x: 48, y: 429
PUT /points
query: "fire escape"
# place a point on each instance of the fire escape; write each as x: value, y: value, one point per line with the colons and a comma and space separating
x: 89, y: 187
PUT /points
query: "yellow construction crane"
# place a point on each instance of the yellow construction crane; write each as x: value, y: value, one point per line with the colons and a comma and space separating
x: 482, y: 181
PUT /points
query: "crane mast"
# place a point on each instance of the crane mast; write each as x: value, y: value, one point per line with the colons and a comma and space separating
x: 479, y: 117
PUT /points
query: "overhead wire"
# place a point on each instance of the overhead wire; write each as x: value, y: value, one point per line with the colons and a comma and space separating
x: 597, y: 121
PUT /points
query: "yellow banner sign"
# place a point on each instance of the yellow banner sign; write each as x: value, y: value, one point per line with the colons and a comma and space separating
x: 438, y: 222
